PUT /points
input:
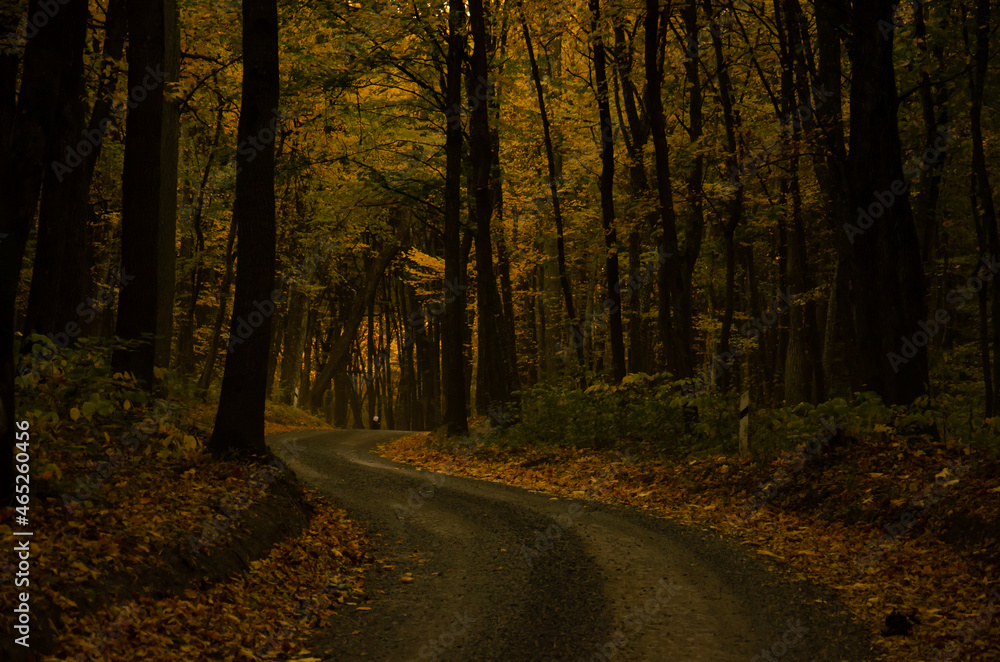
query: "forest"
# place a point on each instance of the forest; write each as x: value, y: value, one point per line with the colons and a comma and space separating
x: 716, y: 194
x: 579, y: 223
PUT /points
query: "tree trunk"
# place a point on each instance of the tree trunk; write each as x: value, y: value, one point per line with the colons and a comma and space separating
x: 239, y: 423
x: 60, y: 277
x: 453, y: 318
x: 983, y: 191
x: 27, y: 139
x: 189, y: 324
x: 291, y: 357
x: 733, y: 207
x: 803, y: 363
x: 887, y: 274
x: 341, y: 350
x: 613, y: 304
x: 149, y: 189
x: 577, y: 334
x: 674, y: 319
x: 208, y: 374
x: 497, y: 368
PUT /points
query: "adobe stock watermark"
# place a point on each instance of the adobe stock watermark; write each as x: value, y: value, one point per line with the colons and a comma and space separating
x: 435, y: 648
x: 87, y: 311
x: 884, y: 200
x: 479, y: 95
x: 561, y: 523
x: 250, y: 147
x: 245, y: 327
x: 751, y: 330
x: 725, y: 19
x: 213, y: 528
x: 793, y: 121
x: 897, y: 18
x: 894, y: 531
x: 793, y: 462
x: 971, y: 628
x: 132, y: 443
x: 634, y: 622
x: 794, y: 633
x: 626, y: 288
x: 956, y: 298
x: 417, y: 497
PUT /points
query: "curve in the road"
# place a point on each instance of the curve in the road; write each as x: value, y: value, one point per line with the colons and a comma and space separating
x: 500, y: 573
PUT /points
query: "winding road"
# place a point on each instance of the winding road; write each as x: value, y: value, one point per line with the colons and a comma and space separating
x: 503, y: 574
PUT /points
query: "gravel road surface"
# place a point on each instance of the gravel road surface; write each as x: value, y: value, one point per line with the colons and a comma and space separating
x: 503, y: 574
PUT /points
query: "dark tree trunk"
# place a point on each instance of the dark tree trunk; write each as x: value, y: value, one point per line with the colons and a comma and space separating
x: 27, y: 140
x: 189, y: 324
x: 638, y: 346
x: 927, y: 197
x: 674, y: 315
x: 887, y: 274
x: 208, y: 374
x: 340, y: 352
x: 371, y: 368
x: 508, y: 329
x: 803, y: 361
x: 453, y: 318
x: 613, y: 303
x: 60, y: 279
x: 982, y: 198
x: 239, y: 423
x: 733, y: 207
x: 291, y: 357
x: 149, y: 189
x: 577, y: 334
x: 497, y: 370
x: 341, y: 386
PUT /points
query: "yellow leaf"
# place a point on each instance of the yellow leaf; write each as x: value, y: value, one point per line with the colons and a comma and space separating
x: 74, y: 413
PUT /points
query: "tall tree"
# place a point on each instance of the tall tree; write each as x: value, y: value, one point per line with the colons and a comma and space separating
x: 982, y: 199
x: 497, y: 372
x: 149, y: 189
x: 27, y: 122
x: 550, y: 156
x: 453, y: 320
x: 239, y: 423
x: 58, y: 284
x: 613, y: 305
x: 888, y: 287
x: 674, y: 314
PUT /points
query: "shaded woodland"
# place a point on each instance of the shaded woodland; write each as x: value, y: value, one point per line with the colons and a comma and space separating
x: 428, y: 212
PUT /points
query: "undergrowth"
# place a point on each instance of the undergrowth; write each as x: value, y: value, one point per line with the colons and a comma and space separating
x: 672, y: 420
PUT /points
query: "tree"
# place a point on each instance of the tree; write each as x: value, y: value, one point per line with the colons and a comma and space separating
x: 453, y: 319
x: 58, y: 284
x: 497, y: 372
x: 26, y: 131
x: 149, y: 189
x: 674, y: 313
x: 888, y: 288
x: 239, y: 422
x: 613, y: 304
x: 550, y: 157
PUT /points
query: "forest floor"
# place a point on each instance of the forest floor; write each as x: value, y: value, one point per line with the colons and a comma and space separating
x: 178, y: 556
x: 905, y: 530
